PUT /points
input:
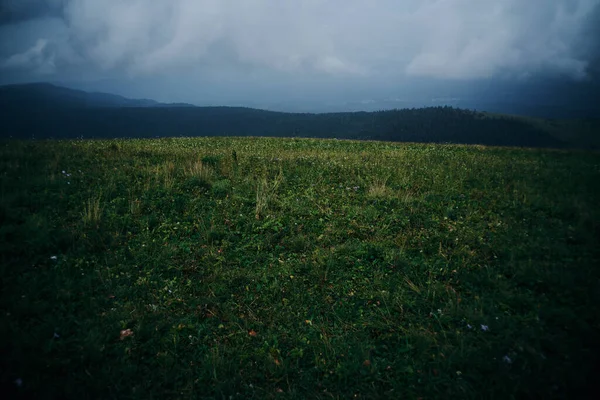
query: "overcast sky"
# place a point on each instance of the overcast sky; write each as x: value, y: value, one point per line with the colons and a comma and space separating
x: 198, y: 50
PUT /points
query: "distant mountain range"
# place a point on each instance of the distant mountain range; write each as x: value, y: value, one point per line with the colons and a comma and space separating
x: 534, y: 98
x: 48, y: 95
x: 43, y: 111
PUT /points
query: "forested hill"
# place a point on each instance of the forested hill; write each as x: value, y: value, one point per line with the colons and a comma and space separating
x: 62, y: 113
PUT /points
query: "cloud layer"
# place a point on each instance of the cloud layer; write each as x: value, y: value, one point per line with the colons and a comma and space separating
x: 448, y: 39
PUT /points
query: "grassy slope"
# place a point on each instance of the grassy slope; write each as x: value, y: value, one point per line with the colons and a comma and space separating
x: 263, y: 268
x: 578, y: 133
x: 575, y: 133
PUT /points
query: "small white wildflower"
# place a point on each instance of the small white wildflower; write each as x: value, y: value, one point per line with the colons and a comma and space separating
x: 19, y: 382
x: 63, y: 172
x: 469, y: 326
x: 439, y: 310
x: 507, y: 359
x: 485, y: 328
x: 53, y: 258
x: 68, y: 183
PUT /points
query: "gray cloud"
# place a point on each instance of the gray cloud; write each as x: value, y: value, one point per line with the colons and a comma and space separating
x: 38, y: 59
x: 12, y: 11
x: 351, y: 39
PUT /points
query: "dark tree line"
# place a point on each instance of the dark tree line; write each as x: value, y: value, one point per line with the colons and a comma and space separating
x: 70, y: 114
x: 436, y: 124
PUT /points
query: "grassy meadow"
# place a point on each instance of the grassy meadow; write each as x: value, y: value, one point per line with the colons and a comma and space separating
x: 233, y: 268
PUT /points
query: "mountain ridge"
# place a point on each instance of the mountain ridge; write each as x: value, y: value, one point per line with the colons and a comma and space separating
x: 48, y: 111
x: 44, y: 92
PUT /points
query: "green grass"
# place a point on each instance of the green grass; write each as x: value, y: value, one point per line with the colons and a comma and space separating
x: 287, y: 268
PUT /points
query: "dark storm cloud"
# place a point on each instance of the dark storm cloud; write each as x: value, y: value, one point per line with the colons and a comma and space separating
x: 345, y: 39
x: 590, y: 44
x: 13, y: 11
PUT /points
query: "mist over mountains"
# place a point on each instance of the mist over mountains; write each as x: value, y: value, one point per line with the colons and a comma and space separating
x: 556, y: 99
x: 536, y: 98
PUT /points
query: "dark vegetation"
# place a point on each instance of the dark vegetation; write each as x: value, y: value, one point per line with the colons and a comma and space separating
x: 45, y: 111
x: 240, y: 268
